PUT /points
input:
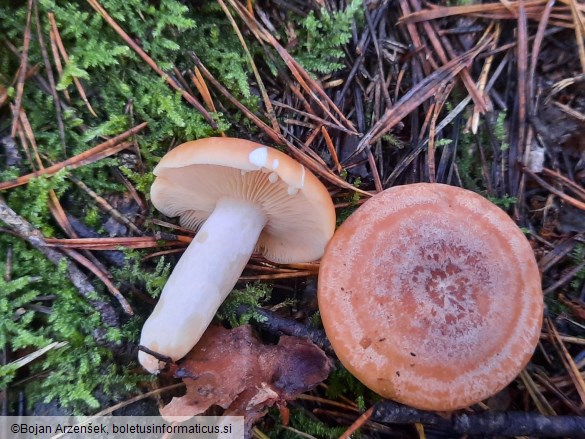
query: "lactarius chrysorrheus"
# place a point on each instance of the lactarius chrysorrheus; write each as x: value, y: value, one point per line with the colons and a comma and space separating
x: 241, y: 196
x: 431, y: 296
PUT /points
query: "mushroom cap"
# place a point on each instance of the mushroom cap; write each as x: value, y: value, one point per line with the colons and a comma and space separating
x: 299, y: 211
x: 431, y: 296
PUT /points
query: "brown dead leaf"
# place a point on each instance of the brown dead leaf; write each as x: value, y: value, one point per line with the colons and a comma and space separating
x: 232, y: 369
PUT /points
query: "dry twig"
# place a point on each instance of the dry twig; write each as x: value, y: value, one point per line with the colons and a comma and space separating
x: 25, y: 230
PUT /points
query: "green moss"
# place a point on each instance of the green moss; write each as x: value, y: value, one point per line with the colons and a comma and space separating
x: 578, y: 255
x: 253, y: 295
x: 504, y: 202
x: 74, y: 373
x: 354, y: 199
x: 342, y: 383
x: 124, y: 91
x: 468, y: 163
x: 322, y: 37
x: 92, y: 218
x: 501, y: 131
x: 392, y: 141
x: 32, y: 200
x: 468, y: 158
x: 315, y: 320
x: 70, y: 374
x: 135, y: 272
x: 301, y: 421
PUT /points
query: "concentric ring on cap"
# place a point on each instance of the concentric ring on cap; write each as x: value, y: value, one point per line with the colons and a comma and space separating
x: 431, y: 296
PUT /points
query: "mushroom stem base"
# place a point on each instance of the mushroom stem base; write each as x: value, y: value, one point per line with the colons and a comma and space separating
x: 201, y: 280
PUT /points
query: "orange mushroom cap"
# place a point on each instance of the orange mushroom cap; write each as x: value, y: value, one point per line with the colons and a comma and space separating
x: 431, y: 296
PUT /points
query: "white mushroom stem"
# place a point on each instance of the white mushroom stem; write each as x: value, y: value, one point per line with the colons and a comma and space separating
x: 201, y: 280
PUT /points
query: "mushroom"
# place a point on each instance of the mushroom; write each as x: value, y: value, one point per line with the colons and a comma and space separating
x: 431, y: 296
x: 242, y: 197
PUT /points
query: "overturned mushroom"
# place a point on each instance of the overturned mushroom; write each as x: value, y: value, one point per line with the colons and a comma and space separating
x: 431, y: 296
x: 242, y: 196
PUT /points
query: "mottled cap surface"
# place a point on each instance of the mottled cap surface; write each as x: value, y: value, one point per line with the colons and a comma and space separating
x: 431, y: 296
x: 300, y: 214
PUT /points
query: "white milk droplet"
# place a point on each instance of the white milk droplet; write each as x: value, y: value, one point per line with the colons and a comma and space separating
x: 259, y: 156
x: 273, y: 177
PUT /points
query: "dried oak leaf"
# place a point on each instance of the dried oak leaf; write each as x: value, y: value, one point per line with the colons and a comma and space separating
x: 232, y: 369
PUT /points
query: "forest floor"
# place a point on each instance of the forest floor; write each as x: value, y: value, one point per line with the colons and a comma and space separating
x: 488, y: 96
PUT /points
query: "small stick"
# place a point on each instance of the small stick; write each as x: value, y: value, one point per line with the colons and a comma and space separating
x: 568, y: 362
x: 579, y: 28
x: 65, y: 57
x: 540, y: 402
x: 162, y: 253
x: 105, y: 206
x: 276, y: 276
x: 102, y: 277
x: 331, y: 148
x: 201, y: 86
x: 267, y: 103
x: 536, y: 46
x: 276, y: 324
x: 52, y: 84
x: 564, y: 279
x: 494, y: 11
x: 116, y: 243
x: 57, y: 58
x: 374, y: 169
x: 133, y: 192
x: 523, y: 146
x: 313, y: 117
x: 574, y: 202
x: 570, y: 112
x: 359, y: 422
x: 320, y: 400
x: 22, y: 71
x: 156, y: 355
x: 80, y: 159
x: 25, y: 230
x: 488, y: 423
x: 565, y: 338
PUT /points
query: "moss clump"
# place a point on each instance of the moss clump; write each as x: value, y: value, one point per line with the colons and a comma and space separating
x: 300, y: 420
x: 124, y: 91
x: 37, y: 310
x: 252, y: 296
x: 322, y: 37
